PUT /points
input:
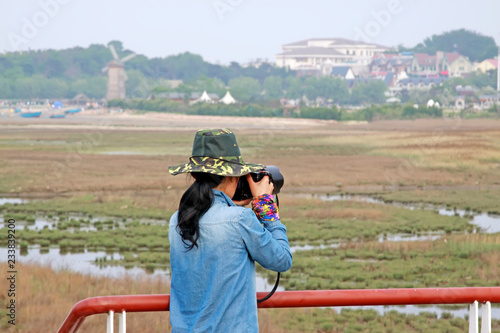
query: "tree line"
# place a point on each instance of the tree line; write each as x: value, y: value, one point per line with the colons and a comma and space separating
x: 368, y: 113
x: 65, y: 73
x: 473, y: 45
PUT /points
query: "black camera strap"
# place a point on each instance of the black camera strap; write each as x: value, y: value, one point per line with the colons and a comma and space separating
x: 271, y: 293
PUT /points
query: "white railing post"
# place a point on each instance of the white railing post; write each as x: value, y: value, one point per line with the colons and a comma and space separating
x: 109, y: 324
x: 473, y: 319
x: 486, y: 318
x: 122, y: 322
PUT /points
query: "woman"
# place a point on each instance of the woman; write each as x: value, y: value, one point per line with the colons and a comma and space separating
x: 214, y: 243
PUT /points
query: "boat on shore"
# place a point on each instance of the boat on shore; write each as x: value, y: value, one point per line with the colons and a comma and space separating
x: 72, y: 111
x: 31, y: 114
x: 58, y: 116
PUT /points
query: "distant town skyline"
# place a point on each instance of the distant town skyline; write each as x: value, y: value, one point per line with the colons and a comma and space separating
x: 222, y: 31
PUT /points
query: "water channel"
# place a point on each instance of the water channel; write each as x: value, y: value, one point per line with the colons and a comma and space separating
x: 488, y: 223
x: 85, y: 261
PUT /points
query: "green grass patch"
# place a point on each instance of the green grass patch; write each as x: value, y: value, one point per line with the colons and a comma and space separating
x: 19, y: 217
x: 89, y: 205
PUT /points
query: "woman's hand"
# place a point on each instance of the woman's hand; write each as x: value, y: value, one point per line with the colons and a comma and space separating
x: 243, y: 202
x: 263, y: 187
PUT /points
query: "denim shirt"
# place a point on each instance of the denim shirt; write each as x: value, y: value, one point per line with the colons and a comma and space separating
x: 213, y: 285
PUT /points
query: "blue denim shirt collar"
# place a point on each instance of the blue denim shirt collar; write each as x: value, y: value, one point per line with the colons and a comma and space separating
x: 222, y: 197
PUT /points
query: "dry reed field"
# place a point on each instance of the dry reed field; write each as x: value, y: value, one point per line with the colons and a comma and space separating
x: 46, y: 297
x: 58, y: 160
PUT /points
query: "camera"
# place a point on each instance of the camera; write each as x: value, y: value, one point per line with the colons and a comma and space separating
x: 243, y: 191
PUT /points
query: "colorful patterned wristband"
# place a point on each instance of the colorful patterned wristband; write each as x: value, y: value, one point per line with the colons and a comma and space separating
x: 265, y: 208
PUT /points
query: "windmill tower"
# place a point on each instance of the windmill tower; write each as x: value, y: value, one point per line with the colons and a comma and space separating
x: 498, y: 66
x: 116, y: 75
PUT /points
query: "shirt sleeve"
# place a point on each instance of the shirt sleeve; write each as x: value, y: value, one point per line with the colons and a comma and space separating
x: 266, y: 243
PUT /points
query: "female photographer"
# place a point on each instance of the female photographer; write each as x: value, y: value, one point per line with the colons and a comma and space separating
x: 214, y: 243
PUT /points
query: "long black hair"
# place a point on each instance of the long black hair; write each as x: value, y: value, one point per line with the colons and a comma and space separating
x: 194, y: 204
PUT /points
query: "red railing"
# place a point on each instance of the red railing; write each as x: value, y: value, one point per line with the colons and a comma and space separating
x: 291, y: 299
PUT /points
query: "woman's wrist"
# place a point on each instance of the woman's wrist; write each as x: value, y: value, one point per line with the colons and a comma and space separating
x: 265, y: 207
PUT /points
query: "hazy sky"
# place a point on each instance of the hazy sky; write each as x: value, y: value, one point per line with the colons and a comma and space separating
x: 233, y: 30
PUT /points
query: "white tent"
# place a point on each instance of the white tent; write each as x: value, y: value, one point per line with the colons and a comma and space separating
x: 228, y: 99
x: 204, y: 98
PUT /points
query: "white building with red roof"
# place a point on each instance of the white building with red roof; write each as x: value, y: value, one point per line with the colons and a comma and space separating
x: 450, y: 64
x: 454, y: 63
x: 486, y: 65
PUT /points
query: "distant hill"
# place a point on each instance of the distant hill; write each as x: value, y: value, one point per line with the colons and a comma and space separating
x: 64, y: 73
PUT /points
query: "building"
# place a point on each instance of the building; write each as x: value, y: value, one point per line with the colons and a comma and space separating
x: 450, y: 64
x: 454, y: 63
x: 465, y: 91
x: 343, y: 72
x: 418, y: 83
x: 487, y: 101
x: 318, y: 54
x: 385, y: 63
x: 80, y: 99
x: 486, y: 65
x: 424, y: 64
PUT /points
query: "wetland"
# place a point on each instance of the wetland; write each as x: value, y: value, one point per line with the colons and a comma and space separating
x: 379, y: 205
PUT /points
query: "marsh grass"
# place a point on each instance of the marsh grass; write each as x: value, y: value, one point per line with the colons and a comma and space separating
x: 309, y: 221
x: 366, y: 263
x: 138, y: 186
x: 314, y: 221
x: 19, y: 217
x: 455, y: 261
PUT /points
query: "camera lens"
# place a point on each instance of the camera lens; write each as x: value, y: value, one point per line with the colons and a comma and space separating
x: 257, y: 176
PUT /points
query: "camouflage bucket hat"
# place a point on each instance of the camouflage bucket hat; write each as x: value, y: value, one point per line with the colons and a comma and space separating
x: 216, y: 151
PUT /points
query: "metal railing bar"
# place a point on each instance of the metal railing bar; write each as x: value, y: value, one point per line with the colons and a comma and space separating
x: 363, y: 297
x: 291, y: 299
x: 473, y: 320
x: 122, y: 322
x: 486, y: 318
x: 109, y: 323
